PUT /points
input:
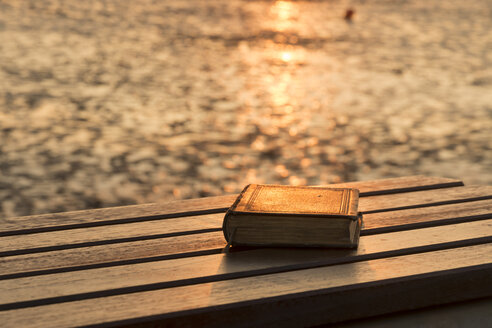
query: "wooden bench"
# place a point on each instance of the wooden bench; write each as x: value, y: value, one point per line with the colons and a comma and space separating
x: 426, y: 241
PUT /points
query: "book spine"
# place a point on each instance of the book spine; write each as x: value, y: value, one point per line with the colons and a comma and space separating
x: 353, y: 204
x: 230, y: 212
x: 360, y: 225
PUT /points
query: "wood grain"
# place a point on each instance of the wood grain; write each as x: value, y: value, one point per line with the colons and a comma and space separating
x: 208, y: 205
x: 308, y: 297
x: 69, y: 286
x: 164, y: 248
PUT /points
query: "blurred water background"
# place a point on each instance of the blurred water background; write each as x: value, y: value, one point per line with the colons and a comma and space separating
x: 113, y: 102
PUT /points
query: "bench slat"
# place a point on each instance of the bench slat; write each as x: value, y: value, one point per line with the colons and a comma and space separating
x: 426, y: 216
x: 384, y: 203
x: 163, y: 274
x: 398, y: 185
x: 218, y: 204
x: 311, y: 296
x: 205, y: 243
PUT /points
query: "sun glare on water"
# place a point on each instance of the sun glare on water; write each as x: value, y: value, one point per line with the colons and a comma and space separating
x: 286, y: 56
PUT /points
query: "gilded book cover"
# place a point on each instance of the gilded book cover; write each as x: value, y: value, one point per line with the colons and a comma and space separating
x: 272, y: 215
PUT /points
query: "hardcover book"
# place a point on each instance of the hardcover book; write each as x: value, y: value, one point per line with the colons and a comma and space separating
x: 272, y: 215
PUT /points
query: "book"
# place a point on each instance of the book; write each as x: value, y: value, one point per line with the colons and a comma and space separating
x: 273, y: 215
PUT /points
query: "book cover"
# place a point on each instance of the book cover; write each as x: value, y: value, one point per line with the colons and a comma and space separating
x: 273, y: 215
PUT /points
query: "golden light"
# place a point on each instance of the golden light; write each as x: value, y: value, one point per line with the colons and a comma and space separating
x: 282, y: 171
x: 279, y: 94
x: 284, y: 10
x: 284, y: 13
x: 296, y: 181
x: 286, y: 56
x: 283, y: 113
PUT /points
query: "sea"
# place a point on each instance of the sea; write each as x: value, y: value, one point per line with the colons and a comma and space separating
x: 115, y: 102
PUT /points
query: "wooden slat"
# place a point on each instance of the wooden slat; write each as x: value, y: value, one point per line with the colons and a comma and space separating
x: 52, y: 288
x: 40, y: 242
x: 374, y: 204
x: 397, y: 185
x: 146, y: 212
x: 149, y: 250
x: 426, y: 216
x: 307, y: 297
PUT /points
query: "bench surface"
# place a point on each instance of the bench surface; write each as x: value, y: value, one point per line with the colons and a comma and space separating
x: 426, y: 241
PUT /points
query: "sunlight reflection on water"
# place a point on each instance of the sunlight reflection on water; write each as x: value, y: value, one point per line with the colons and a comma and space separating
x: 152, y: 101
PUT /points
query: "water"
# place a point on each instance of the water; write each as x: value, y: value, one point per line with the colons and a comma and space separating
x: 107, y: 103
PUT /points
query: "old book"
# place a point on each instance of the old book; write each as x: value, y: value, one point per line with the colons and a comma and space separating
x: 271, y: 215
